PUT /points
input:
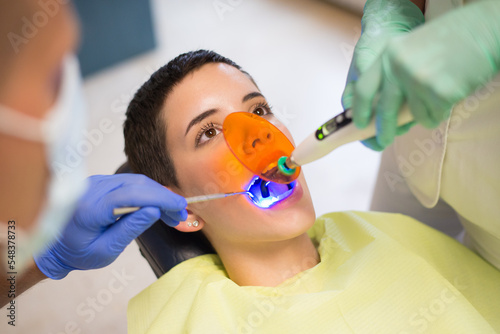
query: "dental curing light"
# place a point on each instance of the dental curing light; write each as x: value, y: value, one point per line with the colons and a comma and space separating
x: 336, y: 132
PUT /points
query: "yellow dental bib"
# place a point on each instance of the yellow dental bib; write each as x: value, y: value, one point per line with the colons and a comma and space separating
x: 379, y: 273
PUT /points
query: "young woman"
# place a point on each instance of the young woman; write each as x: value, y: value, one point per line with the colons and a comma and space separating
x: 281, y: 270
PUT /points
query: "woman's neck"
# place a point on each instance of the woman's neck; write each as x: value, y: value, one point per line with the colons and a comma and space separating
x: 269, y: 264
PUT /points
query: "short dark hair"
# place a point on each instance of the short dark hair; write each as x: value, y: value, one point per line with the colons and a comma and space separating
x: 145, y: 127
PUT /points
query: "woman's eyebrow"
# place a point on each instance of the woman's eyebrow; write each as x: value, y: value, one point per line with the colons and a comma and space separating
x: 200, y: 118
x: 210, y: 112
x: 251, y: 96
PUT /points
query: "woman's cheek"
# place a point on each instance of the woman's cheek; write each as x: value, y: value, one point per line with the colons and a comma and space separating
x: 226, y: 173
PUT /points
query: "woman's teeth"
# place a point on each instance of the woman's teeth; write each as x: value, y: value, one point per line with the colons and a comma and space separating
x: 264, y: 189
x: 265, y: 194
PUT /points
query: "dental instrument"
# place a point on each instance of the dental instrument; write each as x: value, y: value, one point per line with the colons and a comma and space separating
x: 334, y: 133
x: 189, y: 200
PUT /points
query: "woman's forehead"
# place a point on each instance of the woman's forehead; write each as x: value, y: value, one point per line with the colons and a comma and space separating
x: 214, y: 85
x: 212, y: 78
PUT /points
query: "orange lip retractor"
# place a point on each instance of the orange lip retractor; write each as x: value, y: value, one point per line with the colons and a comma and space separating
x: 258, y: 145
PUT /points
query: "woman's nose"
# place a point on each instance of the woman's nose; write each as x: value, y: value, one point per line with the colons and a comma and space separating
x: 257, y: 140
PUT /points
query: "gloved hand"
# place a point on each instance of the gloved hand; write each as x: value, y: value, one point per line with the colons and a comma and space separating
x: 434, y: 67
x: 382, y: 20
x: 94, y: 237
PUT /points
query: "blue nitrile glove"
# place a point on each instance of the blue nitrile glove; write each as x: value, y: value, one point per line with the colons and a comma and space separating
x: 434, y: 67
x: 382, y: 20
x: 94, y: 237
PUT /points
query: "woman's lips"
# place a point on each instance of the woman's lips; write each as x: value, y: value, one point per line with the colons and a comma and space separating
x: 296, y: 195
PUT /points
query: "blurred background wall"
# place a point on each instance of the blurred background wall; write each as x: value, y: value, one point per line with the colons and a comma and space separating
x: 113, y: 31
x: 298, y: 51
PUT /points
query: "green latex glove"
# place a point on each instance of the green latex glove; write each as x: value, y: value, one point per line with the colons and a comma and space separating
x: 382, y: 20
x: 434, y: 67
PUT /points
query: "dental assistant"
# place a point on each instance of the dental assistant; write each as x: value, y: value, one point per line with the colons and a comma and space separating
x: 453, y: 57
x: 57, y: 216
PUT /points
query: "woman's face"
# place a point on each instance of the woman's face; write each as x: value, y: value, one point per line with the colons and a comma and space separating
x: 194, y: 112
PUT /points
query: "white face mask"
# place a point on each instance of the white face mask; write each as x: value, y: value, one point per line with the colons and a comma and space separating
x: 61, y: 132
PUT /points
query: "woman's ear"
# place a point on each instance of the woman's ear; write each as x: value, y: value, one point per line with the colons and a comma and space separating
x: 193, y: 223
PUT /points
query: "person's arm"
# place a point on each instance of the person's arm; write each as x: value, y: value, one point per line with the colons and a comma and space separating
x: 382, y: 21
x: 9, y: 291
x: 431, y: 69
x: 95, y: 237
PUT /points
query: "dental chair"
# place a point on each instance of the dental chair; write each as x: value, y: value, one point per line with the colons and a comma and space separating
x: 164, y: 247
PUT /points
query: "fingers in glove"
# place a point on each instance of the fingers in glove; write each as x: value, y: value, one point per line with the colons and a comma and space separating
x: 372, y: 144
x: 114, y: 240
x: 173, y: 221
x: 386, y: 113
x: 174, y: 217
x: 347, y: 96
x: 401, y: 130
x: 365, y: 91
x: 420, y: 112
x: 440, y: 113
x: 144, y: 192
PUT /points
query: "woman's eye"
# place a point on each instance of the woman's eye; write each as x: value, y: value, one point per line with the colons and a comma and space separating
x: 210, y: 133
x: 260, y: 111
x: 207, y: 134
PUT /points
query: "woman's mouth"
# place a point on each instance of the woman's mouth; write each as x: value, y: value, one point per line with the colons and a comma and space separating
x: 264, y: 194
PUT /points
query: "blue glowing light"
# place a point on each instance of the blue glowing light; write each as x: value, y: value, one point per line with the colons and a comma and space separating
x: 265, y: 194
